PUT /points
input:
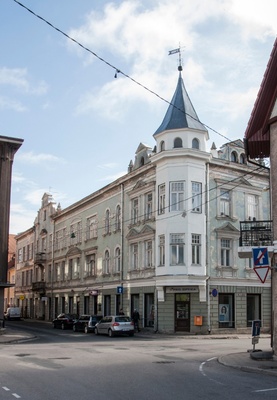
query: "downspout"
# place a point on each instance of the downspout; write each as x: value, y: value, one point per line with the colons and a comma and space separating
x: 208, y: 247
x: 52, y: 271
x: 122, y: 241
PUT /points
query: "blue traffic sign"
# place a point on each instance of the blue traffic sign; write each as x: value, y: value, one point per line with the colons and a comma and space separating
x: 119, y: 289
x: 260, y: 257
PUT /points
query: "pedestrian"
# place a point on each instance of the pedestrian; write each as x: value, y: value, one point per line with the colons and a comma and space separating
x: 121, y: 312
x: 136, y: 318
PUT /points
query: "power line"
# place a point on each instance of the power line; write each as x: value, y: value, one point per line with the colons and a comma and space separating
x: 117, y: 70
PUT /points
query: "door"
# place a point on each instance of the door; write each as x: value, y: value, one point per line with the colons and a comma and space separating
x: 182, y: 312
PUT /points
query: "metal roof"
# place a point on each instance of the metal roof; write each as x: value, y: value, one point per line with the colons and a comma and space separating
x: 180, y: 113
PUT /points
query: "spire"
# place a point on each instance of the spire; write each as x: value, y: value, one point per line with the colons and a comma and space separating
x: 180, y: 113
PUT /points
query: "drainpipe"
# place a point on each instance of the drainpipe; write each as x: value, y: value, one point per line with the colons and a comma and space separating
x: 208, y: 248
x: 122, y: 240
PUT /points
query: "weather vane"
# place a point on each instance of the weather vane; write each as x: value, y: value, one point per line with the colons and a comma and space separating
x: 175, y: 51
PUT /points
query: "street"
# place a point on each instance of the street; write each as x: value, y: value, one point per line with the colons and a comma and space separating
x: 66, y: 365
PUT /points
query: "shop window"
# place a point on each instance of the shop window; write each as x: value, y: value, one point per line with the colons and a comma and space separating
x: 226, y: 311
x: 253, y: 308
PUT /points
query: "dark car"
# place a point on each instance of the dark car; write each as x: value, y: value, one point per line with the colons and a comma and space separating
x: 86, y: 323
x: 64, y: 321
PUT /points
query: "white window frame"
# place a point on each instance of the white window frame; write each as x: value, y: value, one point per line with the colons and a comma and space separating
x: 225, y: 202
x: 161, y: 250
x: 226, y: 250
x: 196, y: 197
x: 148, y: 250
x: 134, y: 256
x: 135, y: 210
x: 177, y: 196
x: 148, y: 205
x: 117, y: 259
x: 195, y: 249
x: 161, y: 194
x: 92, y: 226
x: 252, y: 206
x: 177, y: 249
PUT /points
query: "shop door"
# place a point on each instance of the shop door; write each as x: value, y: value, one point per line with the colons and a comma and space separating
x: 182, y: 312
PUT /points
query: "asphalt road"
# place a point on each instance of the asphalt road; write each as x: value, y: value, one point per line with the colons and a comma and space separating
x: 66, y: 365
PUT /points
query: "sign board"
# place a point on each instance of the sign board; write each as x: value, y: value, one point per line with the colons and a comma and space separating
x: 182, y: 289
x: 119, y: 289
x: 262, y: 273
x: 256, y: 327
x: 260, y: 257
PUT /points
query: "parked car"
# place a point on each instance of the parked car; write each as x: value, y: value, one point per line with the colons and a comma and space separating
x: 86, y: 323
x: 115, y: 325
x: 64, y: 321
x: 13, y: 313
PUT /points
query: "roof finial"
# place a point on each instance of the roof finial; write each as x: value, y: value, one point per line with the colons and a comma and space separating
x: 180, y: 68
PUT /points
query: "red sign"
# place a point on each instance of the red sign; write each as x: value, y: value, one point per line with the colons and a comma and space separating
x: 262, y: 273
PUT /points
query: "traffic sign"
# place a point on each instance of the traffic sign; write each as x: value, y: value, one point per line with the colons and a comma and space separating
x: 260, y: 256
x: 262, y: 272
x: 119, y: 289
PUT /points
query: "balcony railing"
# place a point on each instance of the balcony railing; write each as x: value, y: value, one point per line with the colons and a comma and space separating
x: 256, y: 233
x: 39, y: 286
x: 40, y: 258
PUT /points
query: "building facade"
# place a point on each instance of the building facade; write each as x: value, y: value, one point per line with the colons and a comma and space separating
x: 162, y: 239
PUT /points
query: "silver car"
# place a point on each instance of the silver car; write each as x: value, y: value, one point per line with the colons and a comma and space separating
x: 115, y: 325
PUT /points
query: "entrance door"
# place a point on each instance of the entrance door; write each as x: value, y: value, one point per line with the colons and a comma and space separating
x: 182, y: 312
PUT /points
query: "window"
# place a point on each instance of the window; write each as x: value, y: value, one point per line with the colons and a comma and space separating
x: 91, y: 231
x: 253, y: 308
x: 107, y: 222
x: 148, y: 205
x: 195, y: 249
x: 20, y: 255
x: 118, y: 218
x: 134, y: 256
x: 177, y: 196
x: 177, y: 248
x: 242, y: 159
x: 148, y: 254
x: 107, y: 262
x: 196, y: 199
x: 225, y: 202
x: 234, y: 157
x: 161, y: 250
x: 195, y: 143
x: 161, y: 205
x: 225, y: 252
x: 135, y: 211
x: 117, y: 260
x: 252, y: 207
x: 178, y: 143
x: 226, y: 311
x: 90, y: 265
x: 162, y: 146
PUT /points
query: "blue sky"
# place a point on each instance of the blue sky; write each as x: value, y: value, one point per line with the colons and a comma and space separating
x: 80, y: 125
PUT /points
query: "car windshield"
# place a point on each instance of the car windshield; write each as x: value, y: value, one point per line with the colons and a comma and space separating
x: 122, y: 319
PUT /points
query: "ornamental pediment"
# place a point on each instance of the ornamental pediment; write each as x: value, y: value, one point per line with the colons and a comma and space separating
x: 227, y: 228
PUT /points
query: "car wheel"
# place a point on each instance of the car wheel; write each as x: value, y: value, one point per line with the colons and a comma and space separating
x: 63, y: 327
x: 74, y: 328
x: 86, y: 329
x: 110, y: 333
x: 96, y: 331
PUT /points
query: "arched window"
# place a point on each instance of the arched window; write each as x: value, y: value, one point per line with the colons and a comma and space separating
x: 142, y: 161
x: 195, y: 143
x: 107, y: 262
x: 234, y: 157
x: 118, y: 218
x: 242, y: 159
x: 117, y: 260
x: 162, y: 146
x: 178, y: 143
x: 107, y: 222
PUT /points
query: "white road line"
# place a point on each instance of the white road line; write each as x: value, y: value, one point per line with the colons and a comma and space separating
x: 16, y: 395
x: 264, y: 390
x: 5, y: 388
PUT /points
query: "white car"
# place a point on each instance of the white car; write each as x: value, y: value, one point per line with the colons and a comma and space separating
x: 115, y: 325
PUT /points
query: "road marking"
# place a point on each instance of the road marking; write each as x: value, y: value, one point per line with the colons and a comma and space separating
x: 16, y: 395
x: 5, y: 388
x: 264, y: 390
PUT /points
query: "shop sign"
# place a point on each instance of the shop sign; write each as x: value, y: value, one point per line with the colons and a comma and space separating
x: 182, y: 289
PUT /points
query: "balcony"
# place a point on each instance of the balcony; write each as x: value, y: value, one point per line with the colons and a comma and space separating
x: 40, y: 258
x: 39, y: 287
x: 254, y: 234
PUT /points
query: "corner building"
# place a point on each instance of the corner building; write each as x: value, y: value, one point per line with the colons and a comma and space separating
x: 163, y: 238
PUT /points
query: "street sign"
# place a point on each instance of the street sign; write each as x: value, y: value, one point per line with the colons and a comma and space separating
x: 119, y: 289
x: 260, y: 256
x: 262, y: 273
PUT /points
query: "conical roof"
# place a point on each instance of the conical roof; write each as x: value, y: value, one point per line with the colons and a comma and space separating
x: 180, y: 113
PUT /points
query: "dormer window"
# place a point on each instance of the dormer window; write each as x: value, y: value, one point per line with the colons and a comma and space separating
x: 195, y: 144
x: 178, y: 143
x: 234, y: 157
x: 141, y: 161
x: 242, y: 159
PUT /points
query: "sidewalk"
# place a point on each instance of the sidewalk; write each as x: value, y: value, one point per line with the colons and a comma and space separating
x: 263, y: 362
